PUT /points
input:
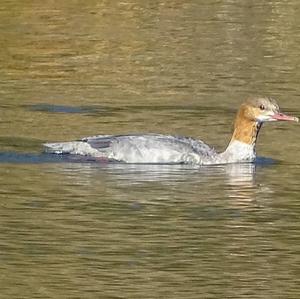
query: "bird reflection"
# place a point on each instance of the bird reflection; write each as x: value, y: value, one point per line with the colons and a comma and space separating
x: 235, y: 181
x: 241, y: 181
x: 231, y: 181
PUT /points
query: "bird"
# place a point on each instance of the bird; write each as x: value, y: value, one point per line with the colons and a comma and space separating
x: 153, y: 148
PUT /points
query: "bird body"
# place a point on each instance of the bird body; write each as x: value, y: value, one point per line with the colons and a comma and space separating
x: 166, y: 149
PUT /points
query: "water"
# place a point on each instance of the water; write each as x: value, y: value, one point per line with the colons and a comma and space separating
x: 95, y: 230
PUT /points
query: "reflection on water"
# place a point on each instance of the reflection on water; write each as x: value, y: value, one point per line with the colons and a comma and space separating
x: 240, y: 178
x: 148, y: 229
x: 237, y: 174
x: 71, y: 69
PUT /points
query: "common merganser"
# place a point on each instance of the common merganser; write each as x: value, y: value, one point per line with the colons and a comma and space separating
x: 166, y: 149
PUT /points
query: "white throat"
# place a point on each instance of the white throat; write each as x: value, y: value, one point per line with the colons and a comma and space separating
x: 238, y: 151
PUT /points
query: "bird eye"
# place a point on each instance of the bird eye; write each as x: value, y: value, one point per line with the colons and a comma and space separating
x: 262, y: 107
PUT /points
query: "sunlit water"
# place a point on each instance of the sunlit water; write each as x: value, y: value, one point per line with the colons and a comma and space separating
x: 78, y: 229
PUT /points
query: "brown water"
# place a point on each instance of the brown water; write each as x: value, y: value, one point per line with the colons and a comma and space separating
x: 77, y: 230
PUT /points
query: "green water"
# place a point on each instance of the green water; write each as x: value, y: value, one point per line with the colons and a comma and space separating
x: 77, y: 230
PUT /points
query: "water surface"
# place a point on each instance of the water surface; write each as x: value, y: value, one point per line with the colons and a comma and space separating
x: 96, y: 230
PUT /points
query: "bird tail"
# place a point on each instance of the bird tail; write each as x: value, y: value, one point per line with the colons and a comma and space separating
x: 60, y: 147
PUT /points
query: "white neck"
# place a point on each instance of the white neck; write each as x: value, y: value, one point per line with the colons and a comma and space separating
x: 238, y: 151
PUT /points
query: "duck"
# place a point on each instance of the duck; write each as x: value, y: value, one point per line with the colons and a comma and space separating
x: 153, y: 148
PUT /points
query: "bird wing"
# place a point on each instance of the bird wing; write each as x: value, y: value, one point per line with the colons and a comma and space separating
x: 149, y: 148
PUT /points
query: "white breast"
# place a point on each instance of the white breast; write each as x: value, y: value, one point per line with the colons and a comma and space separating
x: 238, y: 151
